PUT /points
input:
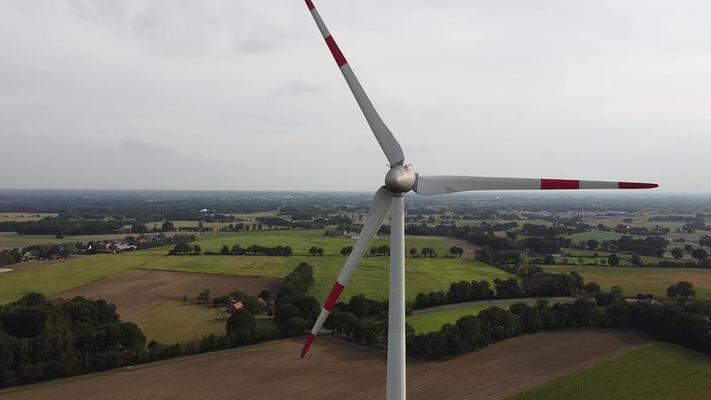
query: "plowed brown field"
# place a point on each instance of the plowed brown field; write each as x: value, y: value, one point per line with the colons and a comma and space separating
x: 137, y: 291
x: 336, y: 369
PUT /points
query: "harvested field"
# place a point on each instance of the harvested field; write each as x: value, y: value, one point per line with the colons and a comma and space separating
x: 137, y: 291
x: 337, y: 369
x: 642, y: 280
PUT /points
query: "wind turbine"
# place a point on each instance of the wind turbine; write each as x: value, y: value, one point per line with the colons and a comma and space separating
x: 400, y: 179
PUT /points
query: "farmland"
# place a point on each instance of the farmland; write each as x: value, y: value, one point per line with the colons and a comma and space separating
x: 274, y: 370
x: 161, y: 280
x: 423, y: 274
x: 177, y: 322
x: 642, y: 280
x: 50, y: 278
x: 371, y: 277
x: 157, y: 287
x: 159, y: 310
x: 654, y: 371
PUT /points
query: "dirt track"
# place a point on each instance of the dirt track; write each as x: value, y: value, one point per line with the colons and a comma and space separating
x: 338, y: 370
x: 137, y: 291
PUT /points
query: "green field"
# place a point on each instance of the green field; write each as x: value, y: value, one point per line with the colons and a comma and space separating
x: 55, y: 277
x: 636, y: 280
x: 302, y: 240
x: 599, y: 236
x: 432, y: 321
x: 371, y: 278
x: 589, y: 256
x: 425, y: 322
x: 654, y: 371
x: 176, y: 322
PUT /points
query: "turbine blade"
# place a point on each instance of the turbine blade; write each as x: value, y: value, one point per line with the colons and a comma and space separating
x: 441, y: 184
x: 385, y: 138
x: 376, y: 215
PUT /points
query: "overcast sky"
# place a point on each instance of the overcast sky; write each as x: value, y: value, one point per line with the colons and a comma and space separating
x: 243, y: 95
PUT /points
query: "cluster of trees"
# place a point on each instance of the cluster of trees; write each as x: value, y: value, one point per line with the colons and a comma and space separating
x: 383, y: 250
x: 295, y: 311
x: 241, y: 327
x: 361, y: 320
x: 681, y: 290
x: 140, y: 227
x: 456, y: 251
x: 255, y: 250
x: 316, y: 251
x: 43, y: 339
x: 183, y: 249
x: 427, y: 252
x: 532, y: 282
x: 697, y: 253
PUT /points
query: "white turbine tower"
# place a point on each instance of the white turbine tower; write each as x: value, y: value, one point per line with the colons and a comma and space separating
x: 401, y: 179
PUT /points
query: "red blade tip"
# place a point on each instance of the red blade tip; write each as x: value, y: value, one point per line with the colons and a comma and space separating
x: 307, y: 345
x: 637, y: 185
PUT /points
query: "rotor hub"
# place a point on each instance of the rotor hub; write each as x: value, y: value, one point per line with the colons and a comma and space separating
x: 400, y: 179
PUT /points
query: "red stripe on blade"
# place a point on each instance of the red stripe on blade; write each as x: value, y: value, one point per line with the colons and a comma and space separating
x: 335, y: 292
x: 636, y: 185
x: 552, y: 184
x: 340, y: 59
x: 310, y: 5
x: 307, y: 345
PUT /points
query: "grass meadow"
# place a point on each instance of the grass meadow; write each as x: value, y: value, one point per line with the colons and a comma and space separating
x: 432, y: 321
x: 177, y: 322
x: 655, y: 371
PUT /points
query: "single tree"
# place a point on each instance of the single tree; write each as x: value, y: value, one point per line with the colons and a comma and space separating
x: 636, y: 260
x: 456, y: 251
x: 682, y: 290
x: 413, y: 252
x: 677, y: 253
x: 167, y: 226
x: 613, y: 260
x: 699, y: 254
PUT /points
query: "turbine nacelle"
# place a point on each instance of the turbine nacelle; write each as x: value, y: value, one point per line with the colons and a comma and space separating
x: 400, y: 179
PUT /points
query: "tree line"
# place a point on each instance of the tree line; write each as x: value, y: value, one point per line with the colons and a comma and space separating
x: 531, y: 282
x: 365, y: 321
x: 185, y: 248
x: 669, y: 323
